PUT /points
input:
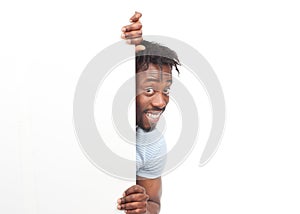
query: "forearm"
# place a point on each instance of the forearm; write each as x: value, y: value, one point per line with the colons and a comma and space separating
x: 153, y: 207
x: 153, y: 188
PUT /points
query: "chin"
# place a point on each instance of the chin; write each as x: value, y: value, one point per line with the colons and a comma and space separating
x: 148, y: 127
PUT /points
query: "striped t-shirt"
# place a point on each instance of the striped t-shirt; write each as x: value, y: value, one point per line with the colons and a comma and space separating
x: 151, y: 153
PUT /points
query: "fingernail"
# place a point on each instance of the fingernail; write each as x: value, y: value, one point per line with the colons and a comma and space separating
x: 123, y: 29
x: 124, y: 194
x: 123, y: 35
x: 119, y: 207
x: 119, y: 201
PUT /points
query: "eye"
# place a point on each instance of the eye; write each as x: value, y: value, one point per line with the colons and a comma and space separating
x: 167, y: 91
x: 149, y: 91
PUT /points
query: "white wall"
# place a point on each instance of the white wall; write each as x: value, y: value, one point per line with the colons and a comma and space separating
x: 253, y: 47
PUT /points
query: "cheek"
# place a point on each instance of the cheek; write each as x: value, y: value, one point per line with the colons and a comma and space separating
x: 167, y: 99
x: 142, y: 102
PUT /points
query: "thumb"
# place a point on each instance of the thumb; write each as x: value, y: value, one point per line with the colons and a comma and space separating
x: 139, y: 48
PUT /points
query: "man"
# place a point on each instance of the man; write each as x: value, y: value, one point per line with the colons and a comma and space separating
x: 154, y: 65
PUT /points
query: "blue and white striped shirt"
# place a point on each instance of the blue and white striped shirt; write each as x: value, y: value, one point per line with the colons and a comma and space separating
x: 151, y: 151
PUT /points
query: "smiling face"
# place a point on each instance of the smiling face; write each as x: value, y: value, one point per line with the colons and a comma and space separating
x: 152, y: 95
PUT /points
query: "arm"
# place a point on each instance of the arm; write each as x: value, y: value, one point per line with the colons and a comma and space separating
x: 143, y: 198
x: 153, y: 188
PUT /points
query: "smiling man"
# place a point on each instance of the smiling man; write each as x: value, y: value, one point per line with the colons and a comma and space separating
x: 153, y: 82
x: 153, y: 86
x: 154, y: 64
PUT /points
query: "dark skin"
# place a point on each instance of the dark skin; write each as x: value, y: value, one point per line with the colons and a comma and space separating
x: 153, y: 87
x: 152, y: 95
x: 132, y: 33
x: 142, y: 198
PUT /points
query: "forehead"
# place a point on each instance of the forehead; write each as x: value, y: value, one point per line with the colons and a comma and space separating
x: 155, y: 73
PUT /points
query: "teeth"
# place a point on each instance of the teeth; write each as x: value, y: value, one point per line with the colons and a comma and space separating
x: 153, y: 116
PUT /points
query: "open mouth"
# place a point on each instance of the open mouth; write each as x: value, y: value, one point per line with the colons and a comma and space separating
x: 153, y: 116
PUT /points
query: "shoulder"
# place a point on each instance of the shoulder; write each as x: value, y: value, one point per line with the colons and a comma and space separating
x: 153, y: 140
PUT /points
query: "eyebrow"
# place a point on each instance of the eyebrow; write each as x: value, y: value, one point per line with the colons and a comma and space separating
x: 154, y: 79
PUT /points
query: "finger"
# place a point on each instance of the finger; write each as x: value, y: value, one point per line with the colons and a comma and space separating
x: 135, y: 41
x: 132, y: 35
x: 131, y: 27
x: 137, y: 15
x: 137, y: 211
x: 134, y: 190
x: 133, y: 206
x: 133, y: 198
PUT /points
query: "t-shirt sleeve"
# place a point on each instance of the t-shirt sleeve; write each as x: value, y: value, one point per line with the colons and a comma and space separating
x: 154, y: 166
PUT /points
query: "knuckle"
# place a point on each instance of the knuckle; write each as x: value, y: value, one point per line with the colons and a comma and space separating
x: 139, y: 25
x: 146, y: 196
x: 131, y: 198
x: 130, y: 28
x: 142, y: 188
x: 145, y: 204
x: 127, y: 28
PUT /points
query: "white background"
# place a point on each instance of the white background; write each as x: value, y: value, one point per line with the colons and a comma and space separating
x: 253, y: 47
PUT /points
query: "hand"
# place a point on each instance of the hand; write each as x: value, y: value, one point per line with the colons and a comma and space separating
x: 133, y: 33
x: 134, y: 200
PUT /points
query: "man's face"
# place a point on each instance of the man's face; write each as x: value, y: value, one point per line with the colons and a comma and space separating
x: 152, y: 95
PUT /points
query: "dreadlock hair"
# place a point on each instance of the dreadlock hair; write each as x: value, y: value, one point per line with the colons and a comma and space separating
x: 156, y: 54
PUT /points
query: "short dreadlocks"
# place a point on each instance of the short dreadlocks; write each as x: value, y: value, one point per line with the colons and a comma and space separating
x: 156, y: 54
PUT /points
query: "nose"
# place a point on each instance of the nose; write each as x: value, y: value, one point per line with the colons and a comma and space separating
x: 160, y: 100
